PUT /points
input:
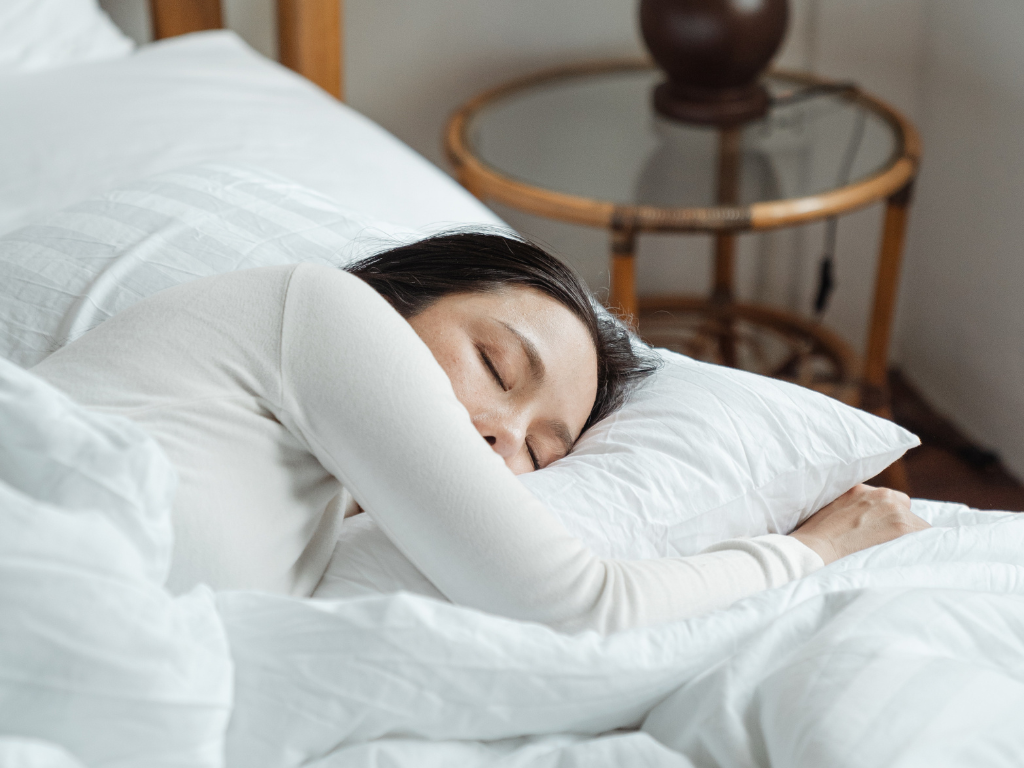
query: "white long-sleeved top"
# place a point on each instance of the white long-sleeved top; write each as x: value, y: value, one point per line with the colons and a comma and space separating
x: 274, y: 389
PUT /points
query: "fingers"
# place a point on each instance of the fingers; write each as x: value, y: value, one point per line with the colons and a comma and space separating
x: 862, y: 517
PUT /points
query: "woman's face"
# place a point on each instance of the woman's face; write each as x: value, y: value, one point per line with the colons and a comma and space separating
x: 521, y: 363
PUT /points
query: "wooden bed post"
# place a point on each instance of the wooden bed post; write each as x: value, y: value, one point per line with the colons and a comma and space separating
x: 310, y: 41
x: 309, y: 33
x: 179, y: 17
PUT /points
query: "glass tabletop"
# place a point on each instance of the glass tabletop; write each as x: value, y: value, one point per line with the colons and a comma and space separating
x: 596, y: 135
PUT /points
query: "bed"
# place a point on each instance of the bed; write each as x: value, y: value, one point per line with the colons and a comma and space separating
x: 193, y: 156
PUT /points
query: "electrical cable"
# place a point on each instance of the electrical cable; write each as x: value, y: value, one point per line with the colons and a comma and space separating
x: 826, y: 270
x: 826, y: 273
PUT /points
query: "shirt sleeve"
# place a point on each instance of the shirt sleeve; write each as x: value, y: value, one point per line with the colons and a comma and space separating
x: 372, y: 404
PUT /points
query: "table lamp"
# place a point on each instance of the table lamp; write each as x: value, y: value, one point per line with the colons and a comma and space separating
x: 713, y: 52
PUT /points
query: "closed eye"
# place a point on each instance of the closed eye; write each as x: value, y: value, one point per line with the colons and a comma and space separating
x: 494, y: 371
x: 533, y: 456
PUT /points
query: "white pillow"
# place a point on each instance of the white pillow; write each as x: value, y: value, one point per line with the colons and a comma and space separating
x: 45, y: 34
x: 96, y: 657
x: 704, y: 453
x: 77, y: 132
x: 79, y: 266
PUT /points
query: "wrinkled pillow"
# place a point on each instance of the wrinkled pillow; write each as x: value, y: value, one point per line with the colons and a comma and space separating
x: 703, y: 453
x: 75, y: 268
x: 46, y: 34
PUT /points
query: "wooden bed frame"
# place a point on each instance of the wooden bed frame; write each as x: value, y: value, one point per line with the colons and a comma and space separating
x: 309, y: 33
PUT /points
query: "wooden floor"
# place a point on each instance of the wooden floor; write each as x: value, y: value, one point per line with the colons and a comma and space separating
x: 947, y: 466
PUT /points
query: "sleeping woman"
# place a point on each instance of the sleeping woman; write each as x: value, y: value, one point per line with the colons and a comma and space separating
x: 415, y: 386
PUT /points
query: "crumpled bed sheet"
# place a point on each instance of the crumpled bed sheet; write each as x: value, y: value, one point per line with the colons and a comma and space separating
x: 911, y: 654
x: 908, y: 654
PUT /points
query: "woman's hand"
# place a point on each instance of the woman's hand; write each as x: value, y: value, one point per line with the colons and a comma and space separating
x: 862, y: 517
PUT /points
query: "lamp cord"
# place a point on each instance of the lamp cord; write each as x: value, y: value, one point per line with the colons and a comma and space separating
x: 826, y: 269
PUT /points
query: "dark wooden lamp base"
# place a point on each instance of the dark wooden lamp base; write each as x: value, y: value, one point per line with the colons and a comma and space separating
x: 713, y: 52
x: 721, y: 107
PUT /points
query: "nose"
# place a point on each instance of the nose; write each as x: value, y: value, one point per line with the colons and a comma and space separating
x: 504, y: 437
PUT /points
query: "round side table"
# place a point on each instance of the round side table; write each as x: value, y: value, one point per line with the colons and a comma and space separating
x: 582, y: 144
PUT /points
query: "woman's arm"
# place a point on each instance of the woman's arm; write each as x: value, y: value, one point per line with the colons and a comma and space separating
x: 378, y: 411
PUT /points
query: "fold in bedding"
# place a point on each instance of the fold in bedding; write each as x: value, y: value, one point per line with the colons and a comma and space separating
x: 865, y: 661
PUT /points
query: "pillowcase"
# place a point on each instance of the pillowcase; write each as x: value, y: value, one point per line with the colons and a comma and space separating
x: 703, y: 453
x: 79, y: 266
x: 45, y: 34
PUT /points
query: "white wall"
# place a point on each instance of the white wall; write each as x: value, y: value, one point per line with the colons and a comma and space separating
x: 411, y: 63
x: 961, y: 329
x: 440, y: 54
x: 955, y: 67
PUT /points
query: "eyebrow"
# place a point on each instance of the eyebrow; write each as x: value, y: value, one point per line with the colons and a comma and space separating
x: 532, y: 355
x: 559, y: 428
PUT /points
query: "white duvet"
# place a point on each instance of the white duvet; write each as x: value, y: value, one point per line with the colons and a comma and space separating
x: 908, y: 654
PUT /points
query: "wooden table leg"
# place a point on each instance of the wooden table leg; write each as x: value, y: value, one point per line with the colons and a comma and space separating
x: 722, y: 298
x: 730, y: 145
x: 876, y: 362
x: 887, y: 283
x: 622, y: 291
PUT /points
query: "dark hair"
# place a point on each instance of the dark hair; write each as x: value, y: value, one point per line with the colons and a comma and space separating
x: 412, y: 277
